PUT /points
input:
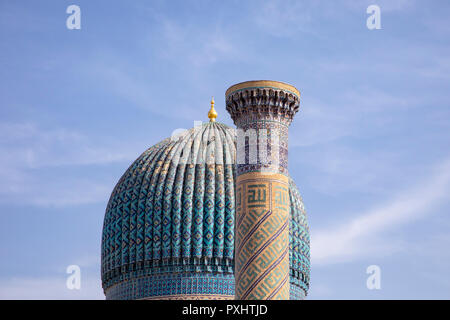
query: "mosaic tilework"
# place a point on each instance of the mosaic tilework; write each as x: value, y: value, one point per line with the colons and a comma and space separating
x: 264, y: 105
x: 173, y: 209
x: 299, y: 242
x: 267, y: 227
x: 262, y: 237
x: 296, y: 293
x: 173, y: 212
x: 275, y: 135
x: 167, y: 286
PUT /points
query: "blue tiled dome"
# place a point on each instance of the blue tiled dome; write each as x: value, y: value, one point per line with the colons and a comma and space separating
x: 169, y: 224
x: 298, y: 245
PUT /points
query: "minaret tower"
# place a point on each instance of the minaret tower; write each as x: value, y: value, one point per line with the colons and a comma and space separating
x: 262, y: 112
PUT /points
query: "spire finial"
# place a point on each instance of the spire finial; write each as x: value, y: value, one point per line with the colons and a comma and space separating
x: 212, y: 114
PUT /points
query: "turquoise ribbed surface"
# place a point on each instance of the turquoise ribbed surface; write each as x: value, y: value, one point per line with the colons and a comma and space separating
x: 172, y: 213
x: 299, y: 255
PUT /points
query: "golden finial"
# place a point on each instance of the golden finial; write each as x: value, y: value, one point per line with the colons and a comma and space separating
x: 212, y: 114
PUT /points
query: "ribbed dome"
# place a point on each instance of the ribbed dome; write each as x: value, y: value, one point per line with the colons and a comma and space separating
x: 298, y: 245
x: 169, y: 224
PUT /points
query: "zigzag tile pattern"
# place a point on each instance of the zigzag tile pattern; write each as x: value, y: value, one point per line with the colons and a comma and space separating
x: 262, y: 237
x: 173, y: 209
x: 173, y: 212
x: 190, y: 286
x: 299, y: 244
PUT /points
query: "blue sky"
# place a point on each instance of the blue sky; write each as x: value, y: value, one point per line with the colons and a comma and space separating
x: 369, y: 148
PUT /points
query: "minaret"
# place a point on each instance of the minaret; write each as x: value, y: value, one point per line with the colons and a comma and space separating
x: 262, y: 112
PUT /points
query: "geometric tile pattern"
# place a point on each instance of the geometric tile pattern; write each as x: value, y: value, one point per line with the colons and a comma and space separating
x: 174, y: 286
x: 171, y: 218
x: 296, y: 293
x: 299, y: 243
x: 173, y: 209
x: 272, y: 240
x: 262, y: 237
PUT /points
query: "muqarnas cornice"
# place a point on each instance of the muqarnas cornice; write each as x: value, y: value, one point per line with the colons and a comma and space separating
x: 262, y: 100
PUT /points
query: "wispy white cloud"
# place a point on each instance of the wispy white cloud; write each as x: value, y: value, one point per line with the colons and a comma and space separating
x: 28, y: 145
x: 194, y: 44
x: 25, y: 188
x: 314, y: 118
x: 364, y: 234
x: 340, y: 169
x: 115, y: 76
x: 355, y: 112
x: 26, y: 149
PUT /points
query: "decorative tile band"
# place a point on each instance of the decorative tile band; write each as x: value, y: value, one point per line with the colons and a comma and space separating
x: 192, y: 297
x: 262, y: 146
x: 172, y: 211
x: 277, y: 85
x: 262, y: 236
x: 212, y: 286
x: 169, y: 229
x: 262, y: 100
x: 296, y: 293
